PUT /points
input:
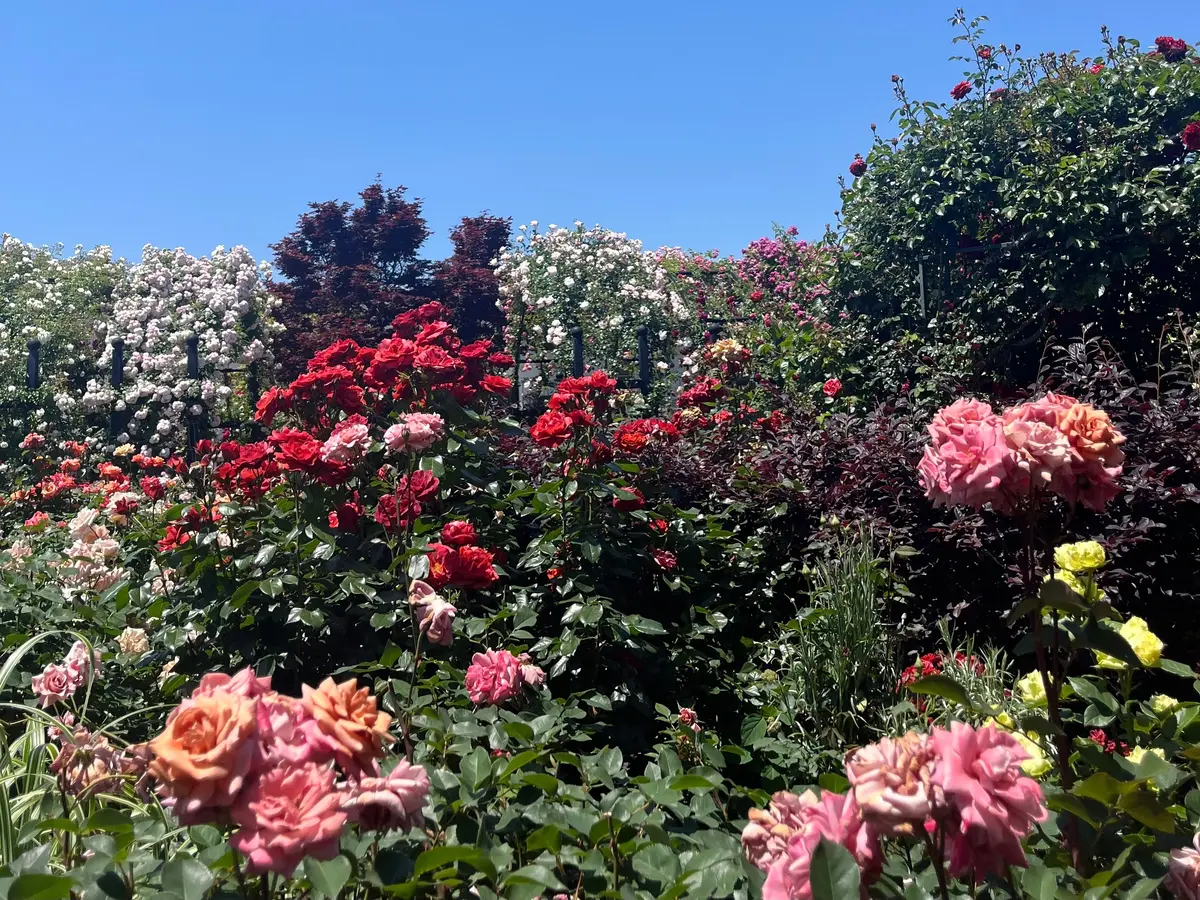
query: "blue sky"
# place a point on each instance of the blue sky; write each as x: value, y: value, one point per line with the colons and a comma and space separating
x: 694, y: 124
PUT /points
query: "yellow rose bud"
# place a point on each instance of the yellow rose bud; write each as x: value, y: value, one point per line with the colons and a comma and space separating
x: 1031, y: 690
x: 1163, y: 705
x: 1080, y: 557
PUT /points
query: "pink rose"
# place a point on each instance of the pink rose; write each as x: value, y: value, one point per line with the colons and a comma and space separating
x: 837, y: 818
x: 414, y: 432
x: 56, y: 683
x: 286, y: 814
x: 83, y: 665
x: 350, y: 441
x: 994, y: 802
x: 493, y: 677
x: 532, y: 675
x: 391, y: 802
x: 1042, y: 451
x: 832, y: 387
x: 765, y: 838
x: 244, y: 684
x: 435, y: 615
x: 1183, y: 872
x: 283, y: 731
x: 969, y: 463
x: 891, y: 782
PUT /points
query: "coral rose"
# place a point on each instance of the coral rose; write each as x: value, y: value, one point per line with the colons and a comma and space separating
x: 286, y: 814
x: 391, y: 802
x: 204, y: 756
x: 347, y: 722
x: 494, y: 677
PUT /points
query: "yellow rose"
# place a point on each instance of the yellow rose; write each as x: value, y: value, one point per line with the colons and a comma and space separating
x: 1083, y: 556
x: 1036, y: 765
x: 1145, y: 643
x: 1031, y: 689
x: 1137, y: 754
x: 1162, y: 704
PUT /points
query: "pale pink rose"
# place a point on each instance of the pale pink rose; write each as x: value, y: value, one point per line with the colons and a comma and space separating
x: 1183, y: 872
x: 245, y: 683
x: 80, y: 663
x: 766, y: 836
x: 350, y: 441
x: 282, y: 731
x: 286, y: 814
x: 391, y: 802
x: 995, y: 804
x: 971, y: 465
x: 493, y: 677
x: 435, y: 615
x: 414, y: 432
x: 1042, y: 451
x: 837, y: 818
x: 891, y: 782
x: 532, y: 675
x: 56, y: 683
x: 84, y: 528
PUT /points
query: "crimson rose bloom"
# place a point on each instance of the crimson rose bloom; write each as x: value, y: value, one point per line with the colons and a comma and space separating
x: 297, y: 450
x: 471, y: 567
x: 960, y: 90
x: 551, y: 429
x: 1191, y: 136
x: 858, y: 168
x: 1172, y: 49
x: 628, y: 504
x: 831, y: 388
x: 458, y: 534
x: 665, y: 559
x: 422, y: 486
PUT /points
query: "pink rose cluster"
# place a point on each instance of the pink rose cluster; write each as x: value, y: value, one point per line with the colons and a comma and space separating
x: 497, y: 676
x: 59, y: 681
x: 1056, y: 444
x: 414, y: 432
x: 963, y: 782
x: 291, y: 773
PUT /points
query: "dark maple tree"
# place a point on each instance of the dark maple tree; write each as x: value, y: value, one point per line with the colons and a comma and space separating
x: 349, y: 270
x: 466, y: 282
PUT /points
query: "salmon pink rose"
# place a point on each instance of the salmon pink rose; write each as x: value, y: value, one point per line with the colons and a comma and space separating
x: 286, y: 814
x: 347, y: 722
x: 891, y: 782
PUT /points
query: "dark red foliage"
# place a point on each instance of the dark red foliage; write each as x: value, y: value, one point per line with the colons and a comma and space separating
x: 350, y: 269
x: 466, y: 282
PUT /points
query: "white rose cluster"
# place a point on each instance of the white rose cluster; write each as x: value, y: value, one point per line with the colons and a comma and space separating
x: 167, y: 298
x: 599, y: 280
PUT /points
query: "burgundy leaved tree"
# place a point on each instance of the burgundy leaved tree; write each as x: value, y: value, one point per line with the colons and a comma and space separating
x: 350, y: 270
x: 466, y: 283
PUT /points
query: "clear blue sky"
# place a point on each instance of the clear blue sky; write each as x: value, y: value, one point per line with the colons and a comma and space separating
x: 682, y: 123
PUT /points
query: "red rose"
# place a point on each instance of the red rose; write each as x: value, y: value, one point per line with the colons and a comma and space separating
x: 628, y: 503
x: 554, y: 573
x: 630, y: 441
x: 297, y: 450
x: 458, y: 534
x: 394, y: 512
x: 442, y: 560
x: 758, y: 295
x: 984, y: 52
x: 1096, y: 68
x: 831, y: 388
x: 551, y: 429
x: 496, y: 384
x: 1191, y: 136
x: 152, y: 487
x: 422, y: 485
x: 476, y: 350
x: 393, y: 356
x: 659, y: 525
x: 666, y: 560
x: 960, y: 90
x: 439, y: 366
x: 501, y: 360
x: 174, y: 538
x: 1172, y: 49
x: 858, y: 168
x: 436, y: 333
x: 472, y: 568
x: 271, y: 403
x: 346, y: 517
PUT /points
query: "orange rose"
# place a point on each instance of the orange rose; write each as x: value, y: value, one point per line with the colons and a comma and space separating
x: 1091, y: 434
x: 203, y: 757
x: 348, y: 724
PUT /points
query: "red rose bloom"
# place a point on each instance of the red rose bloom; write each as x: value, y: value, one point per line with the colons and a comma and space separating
x: 1172, y: 49
x: 551, y: 429
x: 297, y: 450
x: 659, y: 525
x: 458, y: 534
x: 960, y: 90
x: 471, y: 567
x: 1191, y: 136
x: 501, y: 360
x: 858, y: 168
x: 831, y: 388
x: 173, y: 538
x: 496, y: 384
x: 152, y: 487
x: 1096, y: 68
x: 422, y: 486
x: 628, y: 504
x: 442, y: 560
x: 666, y: 560
x: 439, y: 366
x: 984, y: 52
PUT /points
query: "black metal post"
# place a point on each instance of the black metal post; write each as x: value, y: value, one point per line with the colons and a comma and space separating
x: 644, y: 370
x: 116, y: 378
x: 33, y: 371
x: 577, y: 351
x: 193, y: 421
x: 252, y: 389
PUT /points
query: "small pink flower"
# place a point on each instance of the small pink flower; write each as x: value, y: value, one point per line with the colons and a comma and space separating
x: 33, y: 441
x: 286, y: 814
x: 390, y: 802
x: 1183, y: 871
x: 494, y: 677
x: 831, y: 388
x: 350, y: 441
x: 994, y: 802
x: 414, y: 432
x: 435, y: 615
x: 532, y: 675
x: 56, y: 683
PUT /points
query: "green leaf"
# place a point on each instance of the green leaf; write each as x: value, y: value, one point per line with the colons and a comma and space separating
x: 833, y: 873
x: 1145, y: 808
x: 658, y: 863
x: 942, y: 686
x: 691, y: 783
x: 38, y: 886
x: 535, y: 874
x: 834, y: 782
x: 440, y: 857
x: 327, y: 878
x: 265, y: 554
x: 1068, y: 803
x: 1176, y: 668
x: 114, y: 886
x: 108, y: 819
x: 1096, y: 637
x: 476, y: 768
x: 186, y: 878
x: 1099, y: 786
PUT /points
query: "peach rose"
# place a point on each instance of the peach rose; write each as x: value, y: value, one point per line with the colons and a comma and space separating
x: 1092, y: 434
x: 891, y: 782
x: 347, y: 723
x: 203, y: 757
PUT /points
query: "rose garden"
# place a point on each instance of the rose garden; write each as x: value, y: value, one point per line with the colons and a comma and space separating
x: 866, y: 565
